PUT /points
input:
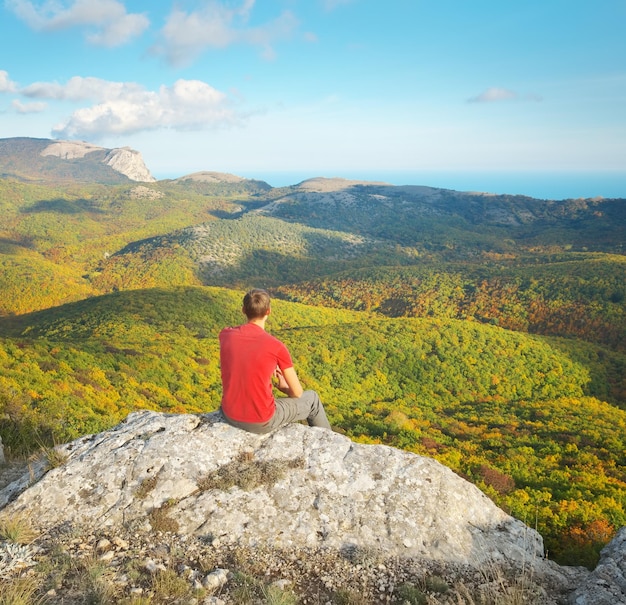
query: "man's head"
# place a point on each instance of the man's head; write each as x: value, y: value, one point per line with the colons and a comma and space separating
x: 256, y: 304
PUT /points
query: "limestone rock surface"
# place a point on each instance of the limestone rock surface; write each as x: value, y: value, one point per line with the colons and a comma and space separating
x: 129, y: 162
x: 315, y: 487
x: 69, y: 150
x: 124, y: 160
x: 297, y: 488
x: 606, y: 585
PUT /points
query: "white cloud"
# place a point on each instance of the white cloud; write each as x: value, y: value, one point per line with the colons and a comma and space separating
x: 80, y: 89
x: 28, y: 107
x: 108, y: 20
x: 186, y: 35
x: 6, y: 85
x: 494, y: 95
x: 124, y: 108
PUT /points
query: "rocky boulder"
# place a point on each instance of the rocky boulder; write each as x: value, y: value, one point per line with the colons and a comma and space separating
x: 606, y: 585
x: 296, y: 487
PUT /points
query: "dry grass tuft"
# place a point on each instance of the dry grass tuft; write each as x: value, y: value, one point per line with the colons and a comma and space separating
x: 53, y: 456
x: 95, y: 581
x: 147, y: 485
x: 169, y: 587
x: 436, y: 584
x: 161, y: 521
x: 348, y: 596
x: 245, y: 588
x: 275, y: 595
x: 247, y: 473
x: 17, y: 528
x: 411, y: 594
x: 20, y: 591
x: 250, y: 589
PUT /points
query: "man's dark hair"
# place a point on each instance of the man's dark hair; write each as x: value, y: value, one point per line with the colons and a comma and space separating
x: 256, y: 303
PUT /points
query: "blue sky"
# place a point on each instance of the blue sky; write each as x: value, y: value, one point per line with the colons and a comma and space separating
x: 303, y: 88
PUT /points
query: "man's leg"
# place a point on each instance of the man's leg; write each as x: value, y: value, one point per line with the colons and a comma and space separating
x: 306, y: 407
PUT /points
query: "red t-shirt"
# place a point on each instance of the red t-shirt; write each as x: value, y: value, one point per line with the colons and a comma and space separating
x: 248, y: 358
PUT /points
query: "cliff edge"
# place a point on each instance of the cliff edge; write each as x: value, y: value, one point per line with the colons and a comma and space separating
x: 45, y: 160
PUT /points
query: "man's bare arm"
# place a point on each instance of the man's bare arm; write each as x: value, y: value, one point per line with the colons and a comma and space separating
x: 288, y: 382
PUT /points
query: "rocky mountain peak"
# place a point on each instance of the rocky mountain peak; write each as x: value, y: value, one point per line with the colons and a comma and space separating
x: 325, y: 184
x: 207, y: 176
x: 124, y: 160
x: 129, y: 162
x: 69, y: 150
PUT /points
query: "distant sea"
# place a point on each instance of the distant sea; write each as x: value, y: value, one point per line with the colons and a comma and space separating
x: 544, y: 185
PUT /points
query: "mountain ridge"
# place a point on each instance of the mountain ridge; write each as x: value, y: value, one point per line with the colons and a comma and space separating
x: 20, y: 157
x: 48, y: 160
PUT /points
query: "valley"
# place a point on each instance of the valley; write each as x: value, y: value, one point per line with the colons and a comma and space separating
x: 484, y: 331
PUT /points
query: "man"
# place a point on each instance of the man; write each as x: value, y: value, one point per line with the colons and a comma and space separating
x: 250, y: 359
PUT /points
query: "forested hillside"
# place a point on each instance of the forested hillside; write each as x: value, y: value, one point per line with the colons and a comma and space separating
x: 510, y: 412
x: 579, y: 294
x: 485, y: 331
x: 54, y: 241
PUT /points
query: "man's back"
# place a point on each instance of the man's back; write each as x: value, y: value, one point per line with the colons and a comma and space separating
x: 248, y: 357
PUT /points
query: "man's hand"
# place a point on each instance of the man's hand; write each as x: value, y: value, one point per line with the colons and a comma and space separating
x: 287, y: 381
x: 280, y: 382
